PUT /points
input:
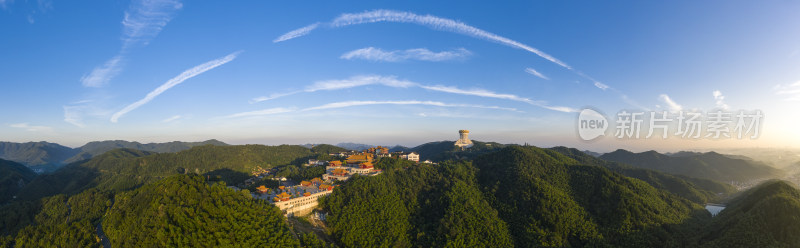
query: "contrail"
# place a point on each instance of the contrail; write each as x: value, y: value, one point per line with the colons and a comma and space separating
x: 536, y: 73
x: 413, y: 102
x: 393, y: 82
x: 430, y: 21
x: 297, y: 33
x: 197, y: 70
x: 444, y: 24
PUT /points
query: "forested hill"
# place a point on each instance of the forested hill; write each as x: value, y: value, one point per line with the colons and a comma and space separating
x: 184, y: 211
x: 95, y: 148
x: 50, y: 156
x: 695, y: 189
x: 765, y: 216
x: 13, y: 177
x: 446, y: 150
x: 517, y: 196
x: 43, y: 155
x: 709, y: 165
x: 178, y: 211
x: 122, y: 169
x: 327, y: 149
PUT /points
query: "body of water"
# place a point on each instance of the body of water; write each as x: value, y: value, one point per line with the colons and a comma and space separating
x: 714, y: 209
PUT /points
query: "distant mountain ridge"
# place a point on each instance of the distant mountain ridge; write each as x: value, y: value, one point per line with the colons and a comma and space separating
x: 354, y: 146
x: 95, y: 148
x: 45, y: 156
x: 710, y: 165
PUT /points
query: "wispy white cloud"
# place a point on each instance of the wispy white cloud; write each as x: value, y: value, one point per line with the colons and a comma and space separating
x: 719, y: 100
x: 102, y: 74
x: 346, y: 104
x: 359, y: 81
x: 412, y: 102
x: 396, y: 83
x: 422, y: 54
x: 791, y: 92
x: 480, y: 93
x: 444, y: 24
x: 536, y: 73
x: 72, y: 115
x: 430, y: 21
x: 197, y: 70
x: 31, y: 128
x: 77, y: 112
x: 273, y: 96
x: 600, y: 85
x: 356, y: 81
x: 143, y: 20
x: 297, y: 33
x: 171, y: 119
x: 270, y: 111
x: 673, y: 106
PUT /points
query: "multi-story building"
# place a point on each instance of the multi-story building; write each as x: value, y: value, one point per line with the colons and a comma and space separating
x: 336, y: 171
x: 299, y: 199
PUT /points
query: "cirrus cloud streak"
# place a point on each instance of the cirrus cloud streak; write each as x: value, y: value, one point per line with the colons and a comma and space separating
x: 346, y: 104
x: 421, y: 54
x: 194, y: 71
x: 391, y: 81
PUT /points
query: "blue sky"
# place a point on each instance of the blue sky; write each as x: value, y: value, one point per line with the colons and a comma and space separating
x: 389, y: 72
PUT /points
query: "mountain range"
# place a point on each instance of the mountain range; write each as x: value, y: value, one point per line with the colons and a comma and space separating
x: 709, y: 165
x: 45, y: 156
x: 488, y: 195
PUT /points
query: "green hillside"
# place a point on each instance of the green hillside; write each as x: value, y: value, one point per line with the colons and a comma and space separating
x: 446, y: 150
x: 123, y: 169
x: 518, y: 196
x: 179, y: 211
x: 327, y: 149
x: 765, y: 216
x: 505, y: 197
x: 95, y: 148
x: 13, y: 177
x: 184, y: 211
x: 697, y: 190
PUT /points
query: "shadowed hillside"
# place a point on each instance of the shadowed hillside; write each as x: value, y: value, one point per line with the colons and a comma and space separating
x: 13, y: 177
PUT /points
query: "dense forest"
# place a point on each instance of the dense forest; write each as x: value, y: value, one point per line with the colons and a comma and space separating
x: 13, y: 177
x: 184, y: 211
x: 124, y: 169
x: 489, y: 195
x: 519, y: 196
x: 179, y: 211
x: 697, y: 190
x: 765, y: 216
x: 445, y: 150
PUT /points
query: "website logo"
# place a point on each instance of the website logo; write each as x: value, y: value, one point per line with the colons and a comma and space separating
x: 591, y: 124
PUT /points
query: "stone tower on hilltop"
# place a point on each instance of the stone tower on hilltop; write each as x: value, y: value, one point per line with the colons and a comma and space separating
x: 463, y: 140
